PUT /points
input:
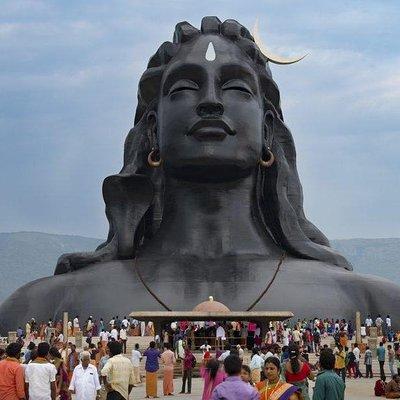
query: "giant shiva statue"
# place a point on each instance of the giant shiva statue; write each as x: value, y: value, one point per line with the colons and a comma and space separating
x: 208, y: 202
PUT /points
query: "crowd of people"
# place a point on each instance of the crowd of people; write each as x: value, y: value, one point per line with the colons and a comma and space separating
x: 279, y: 367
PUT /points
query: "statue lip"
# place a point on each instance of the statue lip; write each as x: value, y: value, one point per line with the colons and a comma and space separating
x: 210, y: 129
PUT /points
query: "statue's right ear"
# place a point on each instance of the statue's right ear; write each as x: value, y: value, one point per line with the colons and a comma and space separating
x: 151, y: 127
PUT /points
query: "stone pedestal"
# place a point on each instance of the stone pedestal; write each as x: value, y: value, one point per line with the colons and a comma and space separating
x: 358, y: 327
x: 373, y: 332
x: 79, y: 340
x: 12, y: 337
x: 65, y: 326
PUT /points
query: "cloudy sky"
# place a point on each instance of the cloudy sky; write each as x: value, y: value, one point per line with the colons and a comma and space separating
x: 68, y: 78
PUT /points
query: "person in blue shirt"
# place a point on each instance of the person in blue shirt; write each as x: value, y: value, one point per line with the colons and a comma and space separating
x: 329, y: 386
x: 381, y: 353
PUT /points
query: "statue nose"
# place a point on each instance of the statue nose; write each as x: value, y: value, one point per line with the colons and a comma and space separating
x: 210, y: 110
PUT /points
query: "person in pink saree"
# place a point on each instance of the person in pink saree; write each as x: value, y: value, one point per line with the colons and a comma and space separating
x: 213, y: 375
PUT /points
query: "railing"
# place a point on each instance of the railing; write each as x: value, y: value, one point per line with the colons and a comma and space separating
x: 214, y: 343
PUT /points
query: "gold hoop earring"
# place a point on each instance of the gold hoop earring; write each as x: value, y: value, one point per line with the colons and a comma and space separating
x: 269, y: 162
x: 153, y: 163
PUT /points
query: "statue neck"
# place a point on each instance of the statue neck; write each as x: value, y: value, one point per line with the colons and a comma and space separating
x: 211, y: 220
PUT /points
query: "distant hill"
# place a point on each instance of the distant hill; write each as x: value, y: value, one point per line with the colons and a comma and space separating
x: 25, y: 256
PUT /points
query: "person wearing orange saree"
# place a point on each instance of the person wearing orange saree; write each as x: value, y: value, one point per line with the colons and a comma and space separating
x: 168, y: 359
x: 272, y: 388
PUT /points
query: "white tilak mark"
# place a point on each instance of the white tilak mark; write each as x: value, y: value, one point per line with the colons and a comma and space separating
x: 210, y: 53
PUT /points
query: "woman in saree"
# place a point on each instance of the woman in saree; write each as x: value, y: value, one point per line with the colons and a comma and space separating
x: 213, y: 375
x: 62, y: 380
x: 297, y: 371
x: 273, y: 388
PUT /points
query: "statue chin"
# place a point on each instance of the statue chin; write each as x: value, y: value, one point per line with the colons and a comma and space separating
x: 104, y: 289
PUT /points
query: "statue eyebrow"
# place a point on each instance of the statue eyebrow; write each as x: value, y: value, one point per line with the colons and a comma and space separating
x: 194, y: 72
x: 239, y: 71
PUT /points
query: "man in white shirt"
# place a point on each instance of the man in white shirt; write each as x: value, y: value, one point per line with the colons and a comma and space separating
x: 256, y: 365
x: 114, y: 334
x: 125, y: 323
x: 205, y: 347
x: 60, y: 338
x: 85, y: 382
x: 220, y: 335
x: 136, y: 358
x: 225, y: 354
x: 123, y: 336
x: 356, y: 352
x: 104, y: 335
x: 40, y: 376
x: 76, y: 324
x: 388, y: 322
x: 285, y: 336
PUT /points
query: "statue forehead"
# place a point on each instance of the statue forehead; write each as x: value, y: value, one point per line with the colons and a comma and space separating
x: 198, y: 52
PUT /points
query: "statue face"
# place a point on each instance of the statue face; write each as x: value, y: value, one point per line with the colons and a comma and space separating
x: 210, y: 112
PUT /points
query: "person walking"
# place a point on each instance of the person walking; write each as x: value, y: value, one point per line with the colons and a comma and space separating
x: 381, y: 353
x: 233, y: 388
x: 123, y: 337
x: 117, y: 374
x: 340, y: 362
x: 85, y: 384
x: 73, y: 361
x: 378, y: 324
x: 212, y: 375
x: 62, y: 381
x: 328, y: 386
x: 256, y: 365
x: 317, y: 341
x: 356, y: 352
x: 12, y: 386
x: 351, y: 363
x: 168, y: 359
x: 152, y: 355
x: 368, y: 363
x: 76, y: 325
x: 136, y: 357
x: 297, y: 371
x: 368, y: 324
x: 40, y: 375
x: 189, y: 363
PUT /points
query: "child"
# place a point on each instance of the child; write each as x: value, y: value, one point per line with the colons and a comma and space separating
x: 245, y: 374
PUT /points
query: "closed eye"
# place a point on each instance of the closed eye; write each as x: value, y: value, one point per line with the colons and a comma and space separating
x: 237, y: 85
x: 183, y: 84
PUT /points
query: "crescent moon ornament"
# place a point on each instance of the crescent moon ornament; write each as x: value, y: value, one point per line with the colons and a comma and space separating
x: 272, y: 57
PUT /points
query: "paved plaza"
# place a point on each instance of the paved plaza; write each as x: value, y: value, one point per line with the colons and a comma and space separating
x: 356, y: 389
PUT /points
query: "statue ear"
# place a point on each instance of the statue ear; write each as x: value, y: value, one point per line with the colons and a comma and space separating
x: 151, y: 127
x: 269, y: 124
